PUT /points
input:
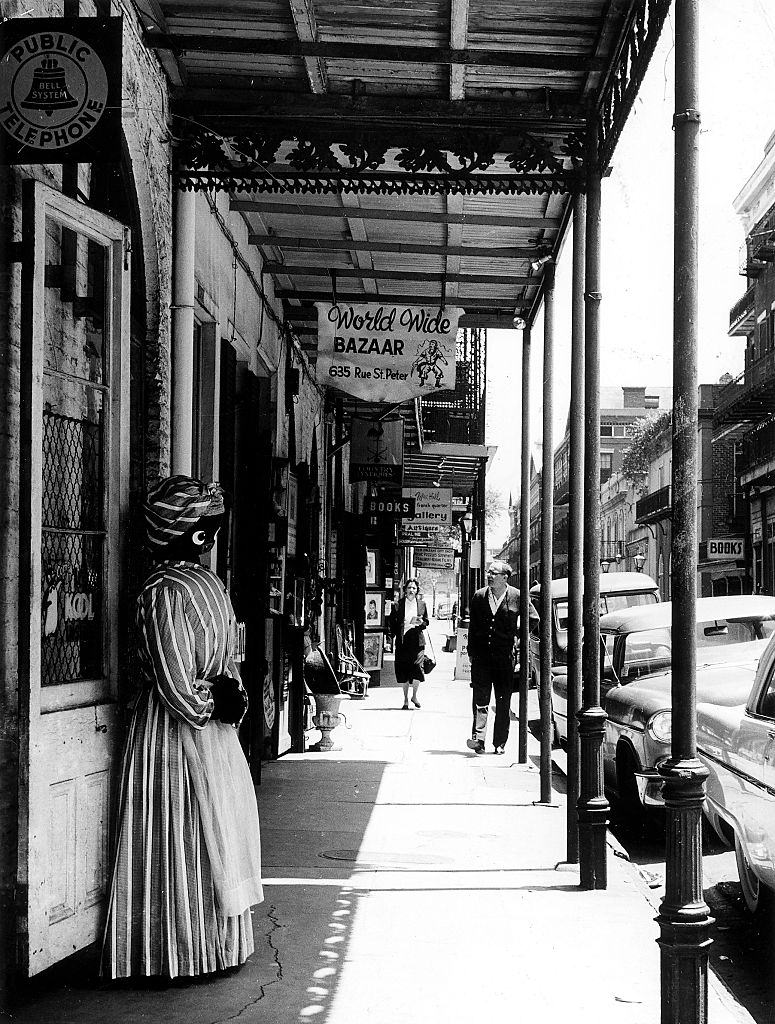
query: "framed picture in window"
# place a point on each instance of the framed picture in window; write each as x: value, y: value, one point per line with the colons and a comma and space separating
x: 372, y: 651
x: 374, y: 607
x: 371, y: 568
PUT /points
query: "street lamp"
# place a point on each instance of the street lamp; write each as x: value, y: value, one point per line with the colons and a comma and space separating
x: 640, y: 560
x: 466, y: 522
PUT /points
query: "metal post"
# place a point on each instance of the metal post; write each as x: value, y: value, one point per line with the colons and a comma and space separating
x: 547, y: 529
x: 524, y: 551
x: 684, y: 920
x: 183, y: 252
x: 575, y: 521
x: 593, y: 806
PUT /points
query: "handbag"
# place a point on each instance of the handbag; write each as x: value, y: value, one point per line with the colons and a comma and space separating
x: 429, y: 660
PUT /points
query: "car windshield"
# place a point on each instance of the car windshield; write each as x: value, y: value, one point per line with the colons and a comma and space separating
x: 608, y: 603
x: 647, y: 651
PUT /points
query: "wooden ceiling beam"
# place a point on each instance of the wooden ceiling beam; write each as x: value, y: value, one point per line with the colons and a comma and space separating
x: 502, y: 305
x: 307, y: 31
x: 458, y: 37
x: 281, y: 209
x: 222, y: 42
x: 345, y: 273
x: 236, y: 98
x: 314, y: 242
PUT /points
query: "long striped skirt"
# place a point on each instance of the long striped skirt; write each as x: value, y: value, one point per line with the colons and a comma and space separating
x: 163, y: 916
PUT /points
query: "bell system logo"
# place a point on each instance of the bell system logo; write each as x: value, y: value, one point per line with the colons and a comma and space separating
x: 53, y: 90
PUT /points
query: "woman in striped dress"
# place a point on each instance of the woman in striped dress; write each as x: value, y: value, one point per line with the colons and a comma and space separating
x: 187, y: 865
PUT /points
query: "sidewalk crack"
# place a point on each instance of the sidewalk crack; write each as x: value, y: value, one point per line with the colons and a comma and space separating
x: 271, y: 914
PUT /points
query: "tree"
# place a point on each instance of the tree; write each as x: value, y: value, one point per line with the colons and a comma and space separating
x: 644, y: 447
x: 494, y: 507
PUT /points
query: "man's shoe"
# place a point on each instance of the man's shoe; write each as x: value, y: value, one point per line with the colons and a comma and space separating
x: 416, y: 702
x: 476, y: 745
x: 500, y: 750
x: 405, y: 707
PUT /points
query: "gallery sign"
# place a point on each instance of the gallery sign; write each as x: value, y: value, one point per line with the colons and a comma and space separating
x: 60, y: 90
x: 381, y: 352
x: 432, y: 515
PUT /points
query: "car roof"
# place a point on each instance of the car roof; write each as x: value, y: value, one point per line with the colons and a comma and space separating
x: 610, y: 583
x: 654, y: 616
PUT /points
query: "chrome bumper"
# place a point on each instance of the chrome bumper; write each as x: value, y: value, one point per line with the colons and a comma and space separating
x: 650, y: 784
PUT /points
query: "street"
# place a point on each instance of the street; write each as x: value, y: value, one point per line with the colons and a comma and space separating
x: 742, y: 952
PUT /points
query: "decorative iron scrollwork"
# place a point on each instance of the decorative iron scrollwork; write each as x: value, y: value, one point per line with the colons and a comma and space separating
x: 378, y: 162
x: 636, y: 51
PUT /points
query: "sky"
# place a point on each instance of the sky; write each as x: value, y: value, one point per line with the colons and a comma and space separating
x: 737, y: 83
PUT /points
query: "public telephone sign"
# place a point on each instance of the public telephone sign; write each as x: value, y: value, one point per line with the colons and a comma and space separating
x: 60, y: 90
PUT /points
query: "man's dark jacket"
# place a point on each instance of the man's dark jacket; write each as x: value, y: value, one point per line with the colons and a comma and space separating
x: 491, y: 637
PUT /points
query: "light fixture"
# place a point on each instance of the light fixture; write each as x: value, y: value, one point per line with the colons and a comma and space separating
x: 518, y: 321
x: 640, y: 560
x: 541, y: 261
x: 605, y: 564
x: 467, y: 520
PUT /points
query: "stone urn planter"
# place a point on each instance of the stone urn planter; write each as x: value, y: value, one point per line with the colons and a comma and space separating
x: 327, y: 717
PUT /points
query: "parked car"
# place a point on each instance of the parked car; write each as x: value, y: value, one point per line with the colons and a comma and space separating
x: 731, y: 636
x: 736, y: 743
x: 618, y: 590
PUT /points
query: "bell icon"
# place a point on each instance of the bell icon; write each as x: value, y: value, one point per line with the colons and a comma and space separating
x: 49, y: 91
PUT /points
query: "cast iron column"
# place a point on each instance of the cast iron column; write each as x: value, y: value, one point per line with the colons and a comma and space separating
x: 575, y: 521
x: 593, y: 806
x: 684, y: 921
x: 547, y: 552
x: 524, y: 551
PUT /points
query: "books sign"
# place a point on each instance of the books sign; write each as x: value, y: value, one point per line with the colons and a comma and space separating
x: 384, y: 353
x: 60, y: 90
x: 390, y: 508
x: 721, y: 549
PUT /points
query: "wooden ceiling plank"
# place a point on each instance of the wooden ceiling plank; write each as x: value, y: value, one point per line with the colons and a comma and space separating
x: 306, y: 31
x: 502, y: 304
x: 318, y: 243
x: 358, y: 232
x: 393, y: 214
x: 222, y: 42
x: 290, y: 270
x: 454, y: 241
x: 458, y: 37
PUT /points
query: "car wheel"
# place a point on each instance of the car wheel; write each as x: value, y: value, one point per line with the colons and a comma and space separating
x: 756, y: 896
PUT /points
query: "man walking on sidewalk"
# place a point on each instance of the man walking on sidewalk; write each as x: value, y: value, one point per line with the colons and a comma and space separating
x: 492, y: 632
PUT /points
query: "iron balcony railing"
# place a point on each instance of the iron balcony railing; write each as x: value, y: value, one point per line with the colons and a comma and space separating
x: 457, y: 417
x: 657, y: 505
x: 758, y: 375
x: 743, y: 314
x: 611, y: 551
x: 758, y: 448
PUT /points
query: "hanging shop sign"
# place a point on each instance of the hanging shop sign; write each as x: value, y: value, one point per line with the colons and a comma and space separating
x: 376, y: 449
x: 60, y: 90
x: 432, y: 515
x: 390, y: 508
x: 384, y: 353
x: 722, y: 549
x: 434, y: 558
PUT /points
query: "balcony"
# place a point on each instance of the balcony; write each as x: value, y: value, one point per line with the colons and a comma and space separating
x: 742, y: 316
x: 655, y: 506
x: 611, y: 552
x: 750, y: 397
x: 457, y: 417
x: 757, y: 459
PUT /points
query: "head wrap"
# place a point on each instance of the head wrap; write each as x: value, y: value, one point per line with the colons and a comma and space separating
x: 175, y: 504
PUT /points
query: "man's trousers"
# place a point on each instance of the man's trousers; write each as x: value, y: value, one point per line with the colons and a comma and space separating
x: 489, y: 676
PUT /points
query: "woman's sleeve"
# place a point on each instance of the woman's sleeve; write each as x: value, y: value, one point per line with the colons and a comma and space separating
x: 425, y: 620
x: 169, y: 641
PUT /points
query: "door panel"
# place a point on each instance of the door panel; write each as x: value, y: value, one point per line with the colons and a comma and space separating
x: 75, y: 346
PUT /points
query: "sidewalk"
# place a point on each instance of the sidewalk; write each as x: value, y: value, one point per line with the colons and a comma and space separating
x: 410, y: 881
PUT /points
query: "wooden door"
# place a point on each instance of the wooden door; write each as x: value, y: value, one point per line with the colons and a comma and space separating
x: 73, y: 498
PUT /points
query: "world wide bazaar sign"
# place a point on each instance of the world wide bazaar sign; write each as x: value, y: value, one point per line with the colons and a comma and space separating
x: 384, y: 353
x: 60, y: 90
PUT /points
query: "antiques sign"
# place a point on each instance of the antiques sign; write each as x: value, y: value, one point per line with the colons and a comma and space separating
x: 376, y: 449
x: 385, y: 353
x: 432, y: 514
x: 60, y: 90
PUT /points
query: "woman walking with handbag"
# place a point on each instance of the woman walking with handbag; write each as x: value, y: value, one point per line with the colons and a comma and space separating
x: 408, y: 622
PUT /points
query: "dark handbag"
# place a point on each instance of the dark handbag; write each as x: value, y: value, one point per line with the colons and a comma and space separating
x: 428, y: 661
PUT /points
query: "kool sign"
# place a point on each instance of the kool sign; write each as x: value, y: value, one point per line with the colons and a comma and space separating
x: 386, y: 353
